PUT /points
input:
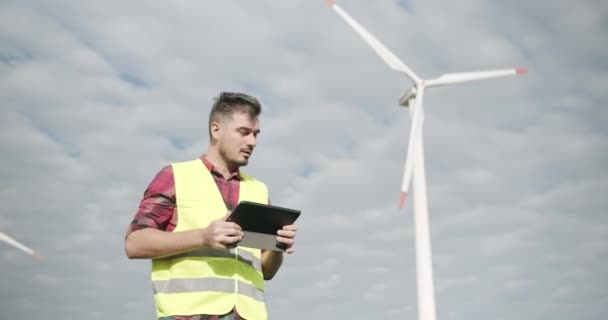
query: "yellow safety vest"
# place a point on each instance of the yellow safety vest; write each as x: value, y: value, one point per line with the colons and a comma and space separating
x: 209, y: 281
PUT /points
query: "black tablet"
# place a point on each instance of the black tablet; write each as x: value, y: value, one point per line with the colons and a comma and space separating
x: 260, y: 223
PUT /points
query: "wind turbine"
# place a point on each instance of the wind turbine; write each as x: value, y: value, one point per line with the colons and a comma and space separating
x: 414, y: 164
x: 4, y: 237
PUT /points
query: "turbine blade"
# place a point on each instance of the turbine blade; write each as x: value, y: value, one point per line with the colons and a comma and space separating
x: 451, y: 78
x: 4, y: 237
x: 388, y: 57
x: 415, y: 133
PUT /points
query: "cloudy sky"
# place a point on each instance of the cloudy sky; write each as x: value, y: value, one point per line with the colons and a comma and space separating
x: 98, y: 96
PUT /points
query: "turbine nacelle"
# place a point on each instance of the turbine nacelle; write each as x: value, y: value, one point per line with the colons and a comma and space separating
x: 407, y: 97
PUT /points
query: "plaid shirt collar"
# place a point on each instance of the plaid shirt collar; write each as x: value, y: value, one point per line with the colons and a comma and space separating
x: 234, y: 175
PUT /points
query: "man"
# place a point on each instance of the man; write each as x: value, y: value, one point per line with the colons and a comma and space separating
x: 197, y: 270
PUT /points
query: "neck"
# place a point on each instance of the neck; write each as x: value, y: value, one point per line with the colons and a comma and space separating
x: 223, y: 167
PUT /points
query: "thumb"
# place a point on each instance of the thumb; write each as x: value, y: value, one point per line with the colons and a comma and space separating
x: 225, y: 218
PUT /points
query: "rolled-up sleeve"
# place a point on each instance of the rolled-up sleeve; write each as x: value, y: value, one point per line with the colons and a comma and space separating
x: 157, y: 208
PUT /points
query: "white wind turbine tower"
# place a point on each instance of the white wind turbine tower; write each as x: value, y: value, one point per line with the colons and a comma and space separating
x: 414, y: 164
x: 5, y: 238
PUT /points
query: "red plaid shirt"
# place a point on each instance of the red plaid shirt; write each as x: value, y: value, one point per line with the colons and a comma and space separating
x: 157, y: 209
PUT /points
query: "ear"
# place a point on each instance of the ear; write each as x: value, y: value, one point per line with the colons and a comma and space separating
x: 215, y: 129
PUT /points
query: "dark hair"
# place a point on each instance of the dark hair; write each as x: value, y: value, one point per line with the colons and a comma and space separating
x: 228, y: 103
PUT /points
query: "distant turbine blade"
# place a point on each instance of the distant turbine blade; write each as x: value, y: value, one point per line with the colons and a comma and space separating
x: 16, y: 244
x: 415, y: 133
x: 390, y: 59
x: 451, y: 78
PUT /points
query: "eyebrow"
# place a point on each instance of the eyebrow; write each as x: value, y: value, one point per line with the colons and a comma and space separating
x: 249, y: 129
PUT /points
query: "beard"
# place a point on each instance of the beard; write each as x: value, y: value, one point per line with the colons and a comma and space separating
x: 234, y: 159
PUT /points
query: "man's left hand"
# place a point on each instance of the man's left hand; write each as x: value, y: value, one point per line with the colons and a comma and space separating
x: 286, y: 237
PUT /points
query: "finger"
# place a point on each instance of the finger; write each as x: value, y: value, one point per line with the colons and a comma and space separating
x: 228, y: 240
x: 286, y: 241
x: 286, y: 233
x: 291, y: 227
x: 232, y: 233
x: 229, y: 225
x: 286, y: 244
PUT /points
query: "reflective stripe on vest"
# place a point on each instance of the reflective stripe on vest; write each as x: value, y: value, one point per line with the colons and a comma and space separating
x: 208, y: 281
x: 207, y: 284
x: 242, y: 256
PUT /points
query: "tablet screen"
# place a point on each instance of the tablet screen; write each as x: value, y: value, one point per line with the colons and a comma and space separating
x: 262, y: 218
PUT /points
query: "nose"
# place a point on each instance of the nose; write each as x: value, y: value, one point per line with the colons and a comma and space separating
x: 251, y: 140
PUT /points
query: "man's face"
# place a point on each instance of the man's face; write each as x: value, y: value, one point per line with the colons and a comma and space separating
x: 236, y: 137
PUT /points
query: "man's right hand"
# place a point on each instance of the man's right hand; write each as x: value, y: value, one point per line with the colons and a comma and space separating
x: 221, y: 234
